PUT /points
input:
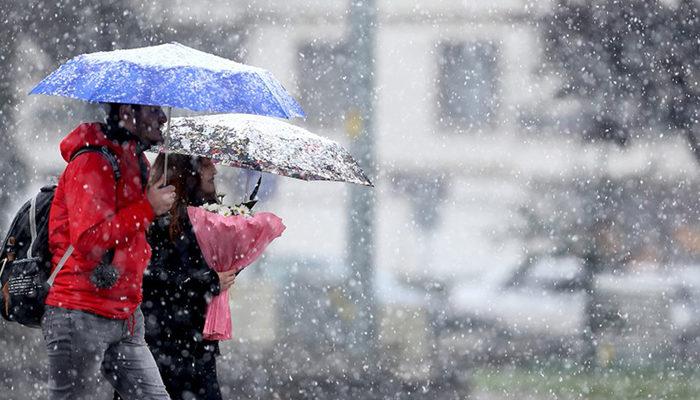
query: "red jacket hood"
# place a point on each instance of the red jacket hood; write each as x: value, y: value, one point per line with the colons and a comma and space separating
x: 86, y: 134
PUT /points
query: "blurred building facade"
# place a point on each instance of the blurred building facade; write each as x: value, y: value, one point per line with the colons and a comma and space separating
x: 468, y: 132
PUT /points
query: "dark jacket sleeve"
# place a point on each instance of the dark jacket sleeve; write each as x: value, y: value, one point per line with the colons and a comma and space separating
x: 202, y: 277
x: 179, y: 265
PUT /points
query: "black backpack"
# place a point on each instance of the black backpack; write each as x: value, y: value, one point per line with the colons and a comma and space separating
x: 25, y: 260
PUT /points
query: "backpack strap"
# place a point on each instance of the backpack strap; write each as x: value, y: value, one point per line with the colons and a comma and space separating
x: 106, y: 153
x: 112, y: 158
x: 67, y: 254
x: 32, y: 224
x: 4, y: 263
x: 143, y: 169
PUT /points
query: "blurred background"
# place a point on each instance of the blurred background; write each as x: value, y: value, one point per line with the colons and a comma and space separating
x: 534, y: 232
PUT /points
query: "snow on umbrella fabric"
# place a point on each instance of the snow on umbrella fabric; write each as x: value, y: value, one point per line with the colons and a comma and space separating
x: 230, y: 243
x: 171, y: 75
x: 264, y: 144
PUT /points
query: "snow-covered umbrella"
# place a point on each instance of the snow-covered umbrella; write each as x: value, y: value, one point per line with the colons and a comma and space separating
x: 171, y: 75
x: 264, y: 144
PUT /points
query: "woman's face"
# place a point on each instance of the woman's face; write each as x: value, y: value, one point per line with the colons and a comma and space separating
x: 207, y: 172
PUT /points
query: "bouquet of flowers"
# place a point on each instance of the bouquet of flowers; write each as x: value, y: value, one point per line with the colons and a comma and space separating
x: 231, y: 238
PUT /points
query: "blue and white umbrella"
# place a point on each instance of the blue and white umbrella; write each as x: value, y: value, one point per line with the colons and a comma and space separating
x: 171, y: 75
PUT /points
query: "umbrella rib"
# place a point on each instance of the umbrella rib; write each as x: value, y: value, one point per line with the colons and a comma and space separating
x: 274, y: 93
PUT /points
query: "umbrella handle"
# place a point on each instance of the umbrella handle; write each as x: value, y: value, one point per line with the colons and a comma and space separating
x: 257, y: 187
x: 165, y: 147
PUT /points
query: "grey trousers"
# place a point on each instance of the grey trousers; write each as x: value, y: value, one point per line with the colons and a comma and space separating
x: 81, y: 345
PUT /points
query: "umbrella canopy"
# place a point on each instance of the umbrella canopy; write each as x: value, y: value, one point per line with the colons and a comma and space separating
x: 264, y: 144
x: 171, y: 75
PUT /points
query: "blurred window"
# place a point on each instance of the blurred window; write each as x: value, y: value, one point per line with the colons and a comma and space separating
x: 467, y: 85
x: 323, y: 82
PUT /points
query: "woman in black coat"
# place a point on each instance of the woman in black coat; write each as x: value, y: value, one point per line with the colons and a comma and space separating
x: 178, y: 286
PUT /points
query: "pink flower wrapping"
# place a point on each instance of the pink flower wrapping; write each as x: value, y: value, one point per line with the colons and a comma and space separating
x: 230, y: 243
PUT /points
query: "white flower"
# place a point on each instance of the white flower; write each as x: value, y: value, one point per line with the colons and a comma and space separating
x: 227, y: 211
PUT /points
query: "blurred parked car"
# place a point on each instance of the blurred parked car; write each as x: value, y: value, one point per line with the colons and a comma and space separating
x: 538, y: 309
x: 517, y: 311
x: 660, y: 314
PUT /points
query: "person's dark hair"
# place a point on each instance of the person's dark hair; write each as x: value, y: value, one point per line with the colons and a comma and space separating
x: 111, y: 126
x: 113, y: 112
x: 183, y: 174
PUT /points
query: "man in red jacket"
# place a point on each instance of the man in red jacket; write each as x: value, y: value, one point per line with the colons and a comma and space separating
x: 90, y: 325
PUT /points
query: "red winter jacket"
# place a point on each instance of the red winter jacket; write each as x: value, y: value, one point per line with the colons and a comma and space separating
x: 84, y: 213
